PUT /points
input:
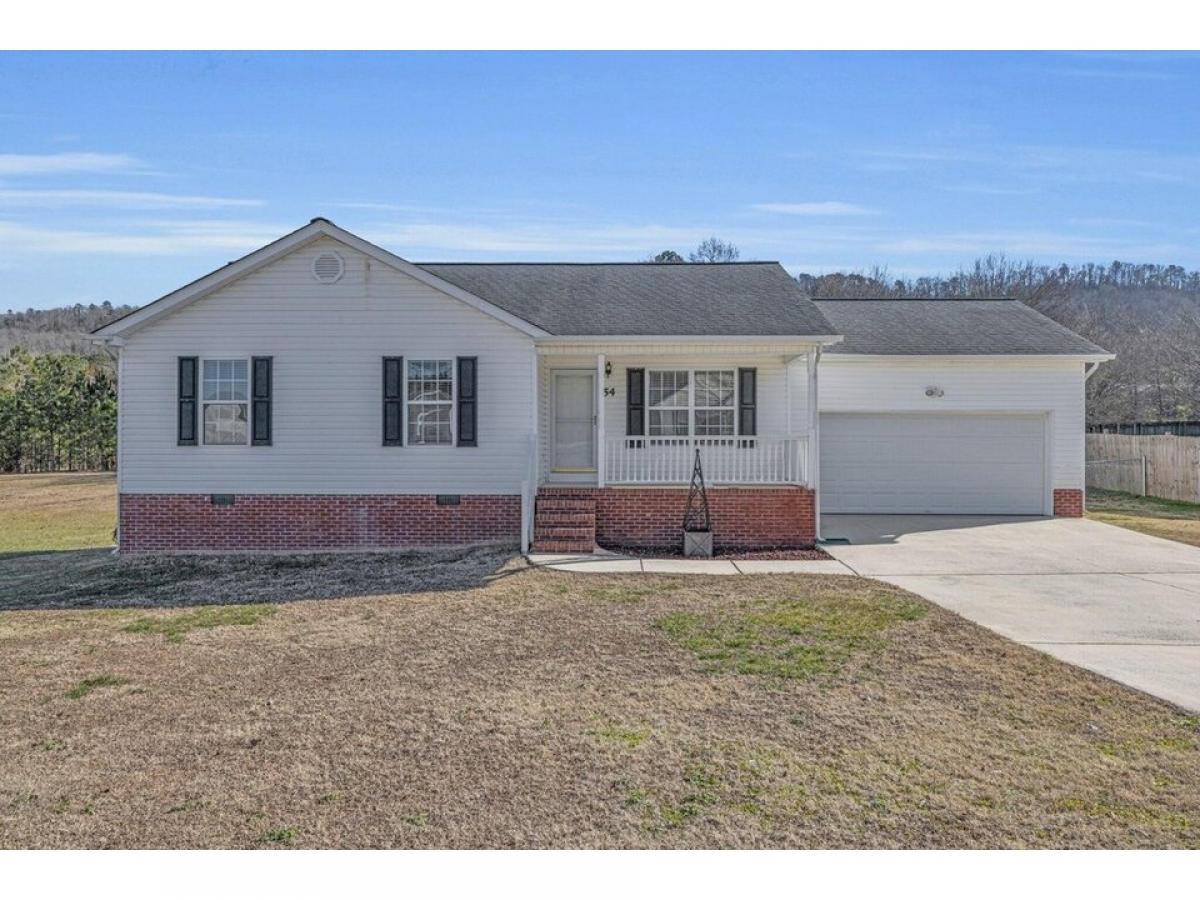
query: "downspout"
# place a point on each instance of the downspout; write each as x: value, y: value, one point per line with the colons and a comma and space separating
x: 112, y: 346
x: 814, y: 438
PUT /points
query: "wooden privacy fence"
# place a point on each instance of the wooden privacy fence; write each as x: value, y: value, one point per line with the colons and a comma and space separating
x: 1159, y: 465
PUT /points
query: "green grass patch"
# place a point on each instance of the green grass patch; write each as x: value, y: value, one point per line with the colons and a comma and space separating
x: 615, y: 733
x: 1125, y: 812
x: 88, y: 685
x: 795, y: 637
x: 281, y: 835
x: 174, y: 626
x: 1158, y: 507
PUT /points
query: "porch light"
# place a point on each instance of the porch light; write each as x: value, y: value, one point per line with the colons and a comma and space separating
x: 607, y: 369
x: 934, y: 391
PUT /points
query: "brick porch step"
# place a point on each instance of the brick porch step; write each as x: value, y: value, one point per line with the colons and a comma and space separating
x: 563, y: 532
x: 564, y: 524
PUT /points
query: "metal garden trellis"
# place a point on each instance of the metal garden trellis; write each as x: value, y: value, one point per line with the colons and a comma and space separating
x: 697, y: 522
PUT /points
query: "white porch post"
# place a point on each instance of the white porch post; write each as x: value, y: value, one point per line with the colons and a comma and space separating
x: 812, y: 358
x: 601, y: 443
x: 529, y: 485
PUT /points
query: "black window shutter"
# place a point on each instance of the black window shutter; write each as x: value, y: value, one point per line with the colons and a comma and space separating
x: 393, y: 401
x: 260, y: 397
x: 635, y: 401
x: 747, y: 401
x: 467, y: 400
x: 188, y: 378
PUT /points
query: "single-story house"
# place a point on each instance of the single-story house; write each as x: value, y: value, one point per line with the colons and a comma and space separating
x: 322, y: 393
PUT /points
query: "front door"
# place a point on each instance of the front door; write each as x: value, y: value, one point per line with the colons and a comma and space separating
x: 574, y: 421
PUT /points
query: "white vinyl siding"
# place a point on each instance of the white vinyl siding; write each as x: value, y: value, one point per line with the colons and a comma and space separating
x: 327, y: 341
x: 1039, y: 386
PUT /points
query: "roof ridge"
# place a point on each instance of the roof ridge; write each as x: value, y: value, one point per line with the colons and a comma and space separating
x: 917, y: 299
x: 739, y: 262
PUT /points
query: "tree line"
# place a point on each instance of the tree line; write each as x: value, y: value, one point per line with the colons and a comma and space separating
x: 58, y: 391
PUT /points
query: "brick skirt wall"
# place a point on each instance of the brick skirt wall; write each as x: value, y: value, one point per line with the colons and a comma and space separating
x: 742, y: 518
x: 1068, y: 502
x: 174, y: 523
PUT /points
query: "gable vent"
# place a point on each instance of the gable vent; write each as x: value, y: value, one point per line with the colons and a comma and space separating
x: 328, y: 268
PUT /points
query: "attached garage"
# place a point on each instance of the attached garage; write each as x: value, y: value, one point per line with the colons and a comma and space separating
x: 933, y: 463
x: 957, y: 407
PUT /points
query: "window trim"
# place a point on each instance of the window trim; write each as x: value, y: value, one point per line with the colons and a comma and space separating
x: 246, y: 403
x: 691, y: 402
x: 452, y: 403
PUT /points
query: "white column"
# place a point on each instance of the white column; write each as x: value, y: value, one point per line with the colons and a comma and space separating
x: 813, y: 357
x: 601, y: 444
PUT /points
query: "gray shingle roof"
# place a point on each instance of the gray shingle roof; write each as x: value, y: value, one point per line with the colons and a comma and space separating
x: 757, y: 298
x: 914, y: 327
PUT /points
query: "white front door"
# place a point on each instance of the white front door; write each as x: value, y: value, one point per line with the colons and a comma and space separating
x: 574, y: 421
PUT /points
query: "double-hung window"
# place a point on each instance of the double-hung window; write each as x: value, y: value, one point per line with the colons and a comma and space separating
x: 225, y: 398
x: 684, y: 402
x: 430, y: 402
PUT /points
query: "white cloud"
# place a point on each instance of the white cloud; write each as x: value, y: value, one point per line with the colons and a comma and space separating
x: 1034, y: 245
x: 536, y: 237
x: 152, y: 239
x: 814, y: 208
x: 57, y: 199
x: 65, y: 163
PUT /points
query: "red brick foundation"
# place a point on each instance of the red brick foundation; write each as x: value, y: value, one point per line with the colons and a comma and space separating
x: 192, y: 523
x: 1068, y: 502
x: 742, y: 518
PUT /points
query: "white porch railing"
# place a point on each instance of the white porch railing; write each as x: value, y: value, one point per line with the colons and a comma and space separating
x: 757, y: 459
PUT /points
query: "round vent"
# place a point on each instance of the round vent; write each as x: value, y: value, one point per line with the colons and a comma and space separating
x: 328, y: 268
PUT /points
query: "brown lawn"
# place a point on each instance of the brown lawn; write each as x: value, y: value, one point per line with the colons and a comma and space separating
x: 1171, y: 519
x: 465, y: 700
x: 67, y: 511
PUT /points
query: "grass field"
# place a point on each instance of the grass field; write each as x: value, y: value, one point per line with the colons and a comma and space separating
x: 1171, y: 519
x: 57, y: 512
x: 464, y: 699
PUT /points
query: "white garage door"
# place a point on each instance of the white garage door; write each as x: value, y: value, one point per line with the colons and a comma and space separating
x: 914, y: 463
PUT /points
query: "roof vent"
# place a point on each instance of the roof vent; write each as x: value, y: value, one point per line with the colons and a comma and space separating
x: 328, y: 268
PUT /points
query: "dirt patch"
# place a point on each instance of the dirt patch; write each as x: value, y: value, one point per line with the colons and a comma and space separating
x: 100, y: 578
x: 537, y: 708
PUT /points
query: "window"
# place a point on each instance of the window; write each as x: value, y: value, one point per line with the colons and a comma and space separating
x: 668, y: 403
x: 225, y: 398
x: 685, y: 402
x: 714, y: 403
x: 430, y: 401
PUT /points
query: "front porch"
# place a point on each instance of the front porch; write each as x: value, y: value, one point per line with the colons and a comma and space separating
x: 619, y: 429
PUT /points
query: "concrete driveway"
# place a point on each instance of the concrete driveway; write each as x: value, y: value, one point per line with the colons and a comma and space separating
x: 1120, y: 603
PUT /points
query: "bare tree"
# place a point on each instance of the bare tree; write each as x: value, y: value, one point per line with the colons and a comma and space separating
x: 714, y: 250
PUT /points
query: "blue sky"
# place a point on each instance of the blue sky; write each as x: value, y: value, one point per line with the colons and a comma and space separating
x: 122, y: 176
